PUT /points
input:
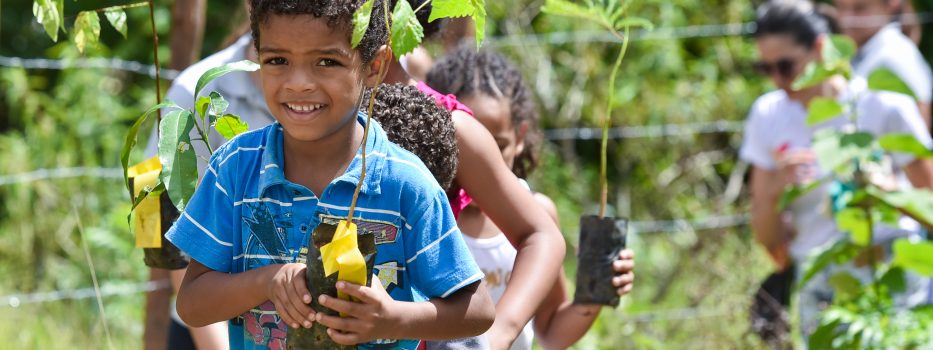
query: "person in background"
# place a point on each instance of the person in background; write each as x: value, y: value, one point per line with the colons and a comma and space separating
x: 777, y: 143
x: 494, y: 90
x: 882, y: 44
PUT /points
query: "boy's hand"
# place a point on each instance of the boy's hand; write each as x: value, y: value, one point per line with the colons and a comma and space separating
x: 288, y: 290
x: 370, y: 318
x: 624, y: 267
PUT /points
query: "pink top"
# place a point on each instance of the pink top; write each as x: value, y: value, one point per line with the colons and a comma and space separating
x: 462, y: 200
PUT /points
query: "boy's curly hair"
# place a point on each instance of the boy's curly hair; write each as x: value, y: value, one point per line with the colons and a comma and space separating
x: 339, y: 14
x: 418, y: 124
x: 465, y: 72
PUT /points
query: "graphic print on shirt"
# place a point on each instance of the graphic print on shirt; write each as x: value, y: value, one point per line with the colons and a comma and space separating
x: 265, y: 327
x: 265, y: 244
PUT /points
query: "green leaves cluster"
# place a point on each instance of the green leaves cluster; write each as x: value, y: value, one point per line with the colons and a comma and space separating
x: 177, y: 154
x: 50, y: 14
x: 406, y: 33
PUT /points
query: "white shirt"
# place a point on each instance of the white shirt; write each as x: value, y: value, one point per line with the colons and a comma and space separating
x: 890, y: 48
x: 776, y: 120
x: 245, y: 98
x: 495, y: 257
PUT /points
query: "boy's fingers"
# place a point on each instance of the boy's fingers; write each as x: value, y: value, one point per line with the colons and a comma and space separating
x: 339, y: 305
x: 285, y: 313
x: 301, y: 311
x: 362, y: 293
x: 619, y: 281
x: 343, y: 338
x: 300, y: 287
x: 336, y: 322
x: 626, y: 254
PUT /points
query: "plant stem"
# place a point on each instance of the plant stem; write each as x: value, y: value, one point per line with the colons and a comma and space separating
x: 607, y: 122
x: 369, y: 116
x: 155, y: 53
x: 421, y: 6
x: 123, y: 7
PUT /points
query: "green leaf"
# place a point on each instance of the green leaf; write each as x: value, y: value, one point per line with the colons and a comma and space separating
x: 793, y: 192
x: 117, y: 19
x: 569, y: 9
x: 895, y: 279
x: 179, y: 162
x: 214, y: 73
x: 49, y: 14
x: 202, y: 106
x: 883, y: 79
x: 230, y: 125
x: 915, y: 203
x: 845, y: 284
x: 479, y: 21
x: 823, y: 337
x: 812, y: 75
x: 361, y: 19
x: 406, y: 31
x: 218, y: 104
x: 823, y: 109
x: 843, y: 46
x: 914, y: 256
x: 87, y: 29
x: 132, y: 136
x: 452, y: 9
x: 904, y: 143
x: 856, y: 223
x: 634, y: 22
x: 835, y: 148
x: 839, y: 252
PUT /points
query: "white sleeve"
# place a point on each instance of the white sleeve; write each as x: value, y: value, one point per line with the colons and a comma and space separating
x: 755, y: 150
x: 903, y: 117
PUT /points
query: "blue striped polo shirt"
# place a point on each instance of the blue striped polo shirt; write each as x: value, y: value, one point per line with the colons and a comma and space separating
x: 245, y: 214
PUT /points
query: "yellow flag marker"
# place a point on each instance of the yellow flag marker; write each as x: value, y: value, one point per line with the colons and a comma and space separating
x: 342, y: 255
x: 147, y: 215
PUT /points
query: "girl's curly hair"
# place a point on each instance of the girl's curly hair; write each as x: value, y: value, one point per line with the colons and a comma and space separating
x: 418, y: 124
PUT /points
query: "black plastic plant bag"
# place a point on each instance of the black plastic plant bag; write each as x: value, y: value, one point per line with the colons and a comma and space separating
x: 316, y: 337
x: 601, y: 240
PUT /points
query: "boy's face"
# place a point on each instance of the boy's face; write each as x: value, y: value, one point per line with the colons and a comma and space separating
x: 311, y: 78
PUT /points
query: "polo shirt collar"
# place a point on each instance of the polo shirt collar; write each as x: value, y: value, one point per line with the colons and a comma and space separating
x: 272, y: 173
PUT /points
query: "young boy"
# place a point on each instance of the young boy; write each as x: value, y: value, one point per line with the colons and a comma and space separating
x: 248, y: 224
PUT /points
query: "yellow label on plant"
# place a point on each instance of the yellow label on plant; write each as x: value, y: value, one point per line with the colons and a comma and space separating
x: 147, y: 215
x: 342, y: 255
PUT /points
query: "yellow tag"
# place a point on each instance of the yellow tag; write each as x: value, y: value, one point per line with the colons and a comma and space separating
x: 147, y: 215
x: 342, y: 255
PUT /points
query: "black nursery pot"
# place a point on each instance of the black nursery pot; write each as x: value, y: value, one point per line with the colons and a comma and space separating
x: 601, y: 240
x: 316, y: 337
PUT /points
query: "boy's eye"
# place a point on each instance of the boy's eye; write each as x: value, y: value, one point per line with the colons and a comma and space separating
x: 327, y: 62
x: 275, y: 61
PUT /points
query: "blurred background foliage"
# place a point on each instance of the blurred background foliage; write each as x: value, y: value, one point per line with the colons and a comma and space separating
x: 693, y: 287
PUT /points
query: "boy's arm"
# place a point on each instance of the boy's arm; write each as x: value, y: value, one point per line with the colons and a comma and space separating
x: 512, y: 208
x: 207, y: 296
x: 467, y: 312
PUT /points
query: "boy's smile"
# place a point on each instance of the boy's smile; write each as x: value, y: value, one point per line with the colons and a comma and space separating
x: 312, y: 83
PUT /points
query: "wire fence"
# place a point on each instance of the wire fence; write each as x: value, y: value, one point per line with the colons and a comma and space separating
x: 17, y: 300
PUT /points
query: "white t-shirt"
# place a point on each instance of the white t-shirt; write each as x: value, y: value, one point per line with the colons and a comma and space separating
x: 245, y: 98
x: 891, y: 49
x: 776, y: 120
x: 495, y: 257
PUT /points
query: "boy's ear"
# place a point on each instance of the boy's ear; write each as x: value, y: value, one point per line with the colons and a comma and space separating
x: 380, y: 63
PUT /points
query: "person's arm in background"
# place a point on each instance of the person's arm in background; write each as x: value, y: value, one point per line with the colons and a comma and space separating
x: 483, y: 174
x: 559, y: 323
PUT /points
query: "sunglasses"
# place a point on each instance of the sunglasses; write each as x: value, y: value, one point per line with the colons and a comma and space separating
x: 784, y: 67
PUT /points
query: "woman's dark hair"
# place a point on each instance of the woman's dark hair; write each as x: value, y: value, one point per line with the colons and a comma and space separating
x: 797, y: 18
x: 418, y: 124
x: 465, y: 72
x: 338, y: 13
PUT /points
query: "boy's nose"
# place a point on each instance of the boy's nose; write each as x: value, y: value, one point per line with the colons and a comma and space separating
x: 299, y: 81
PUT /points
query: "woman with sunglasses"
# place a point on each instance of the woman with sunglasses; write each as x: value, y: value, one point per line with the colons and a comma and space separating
x: 790, y: 34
